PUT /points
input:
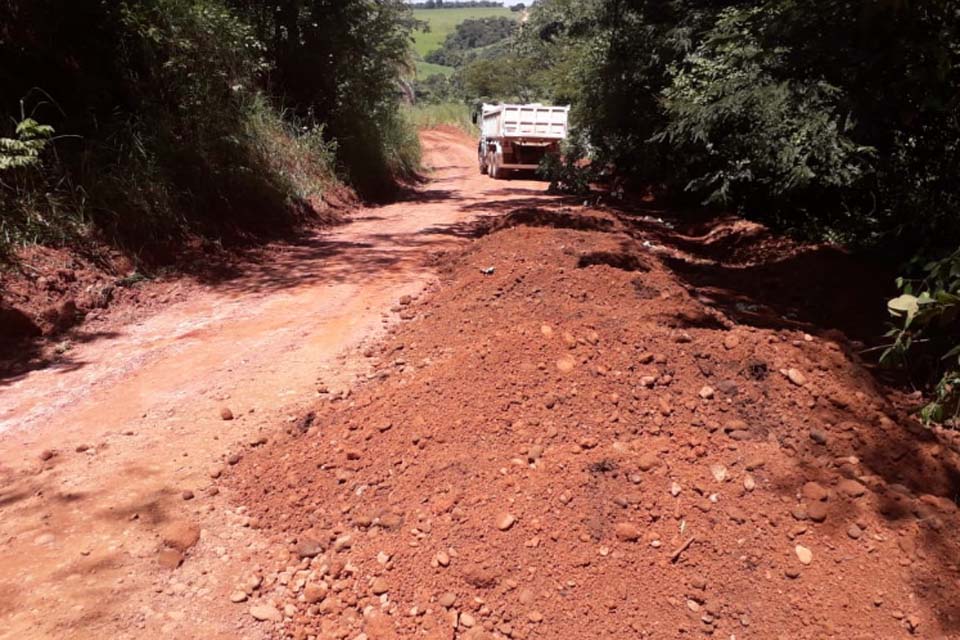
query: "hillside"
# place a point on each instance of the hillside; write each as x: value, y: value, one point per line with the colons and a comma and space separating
x: 442, y: 23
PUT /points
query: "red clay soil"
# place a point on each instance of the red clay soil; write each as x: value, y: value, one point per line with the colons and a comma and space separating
x: 568, y: 440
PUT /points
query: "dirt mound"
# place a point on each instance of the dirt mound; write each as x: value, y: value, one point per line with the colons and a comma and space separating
x: 544, y: 217
x: 559, y: 446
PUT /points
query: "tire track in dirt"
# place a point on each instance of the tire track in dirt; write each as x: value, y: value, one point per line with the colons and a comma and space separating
x: 133, y: 418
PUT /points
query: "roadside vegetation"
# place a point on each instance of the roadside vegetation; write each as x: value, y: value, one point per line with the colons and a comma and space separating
x: 138, y: 123
x: 831, y: 121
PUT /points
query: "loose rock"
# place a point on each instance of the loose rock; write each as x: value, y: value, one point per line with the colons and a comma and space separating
x: 505, y: 521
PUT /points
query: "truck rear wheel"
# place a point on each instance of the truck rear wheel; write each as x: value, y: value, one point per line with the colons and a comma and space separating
x: 483, y: 163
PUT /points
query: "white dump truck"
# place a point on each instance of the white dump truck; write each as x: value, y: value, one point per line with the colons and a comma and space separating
x: 518, y: 136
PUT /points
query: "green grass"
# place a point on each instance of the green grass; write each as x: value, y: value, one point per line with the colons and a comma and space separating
x: 427, y: 69
x: 457, y: 114
x: 444, y: 21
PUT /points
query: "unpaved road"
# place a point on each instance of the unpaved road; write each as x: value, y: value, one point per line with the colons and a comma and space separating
x: 134, y: 418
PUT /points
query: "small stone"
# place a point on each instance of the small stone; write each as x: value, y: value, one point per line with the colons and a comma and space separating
x: 505, y: 521
x: 706, y: 393
x: 566, y: 364
x: 233, y: 459
x: 535, y: 617
x: 675, y: 489
x: 546, y: 330
x: 309, y: 548
x: 731, y: 341
x: 796, y: 377
x: 627, y: 532
x: 817, y: 511
x: 314, y: 592
x: 818, y: 436
x: 379, y: 586
x: 467, y: 620
x: 181, y: 535
x: 447, y: 600
x: 238, y: 596
x: 44, y: 538
x: 804, y: 555
x: 443, y: 559
x: 851, y: 488
x: 719, y: 472
x: 187, y: 495
x: 215, y: 472
x: 791, y: 572
x: 648, y: 461
x: 749, y: 483
x: 913, y: 623
x: 169, y: 559
x: 46, y: 454
x: 265, y: 613
x: 226, y: 414
x: 814, y: 492
x: 854, y: 531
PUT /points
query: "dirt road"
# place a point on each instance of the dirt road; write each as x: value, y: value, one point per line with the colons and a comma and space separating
x: 133, y: 418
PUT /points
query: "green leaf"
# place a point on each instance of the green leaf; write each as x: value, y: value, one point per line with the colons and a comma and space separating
x: 905, y: 305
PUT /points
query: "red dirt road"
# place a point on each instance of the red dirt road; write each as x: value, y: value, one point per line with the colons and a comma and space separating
x: 133, y: 416
x: 628, y: 428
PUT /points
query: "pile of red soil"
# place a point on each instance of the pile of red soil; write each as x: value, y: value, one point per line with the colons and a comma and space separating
x: 566, y: 443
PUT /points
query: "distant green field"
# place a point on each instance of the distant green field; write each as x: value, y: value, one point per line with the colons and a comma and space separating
x: 427, y: 69
x: 442, y: 23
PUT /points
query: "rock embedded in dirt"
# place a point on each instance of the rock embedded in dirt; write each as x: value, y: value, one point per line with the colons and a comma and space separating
x: 706, y: 393
x: 226, y: 414
x: 181, y: 535
x: 818, y: 436
x: 379, y: 586
x: 169, y: 559
x: 814, y: 492
x: 648, y: 461
x: 443, y: 558
x: 238, y: 596
x: 187, y: 495
x: 731, y: 341
x: 480, y: 576
x: 46, y: 454
x: 796, y: 377
x: 266, y: 613
x: 851, y: 488
x: 817, y: 511
x: 505, y: 521
x: 566, y: 364
x: 804, y: 555
x: 447, y: 600
x: 854, y: 531
x: 314, y: 592
x: 627, y: 532
x: 309, y: 548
